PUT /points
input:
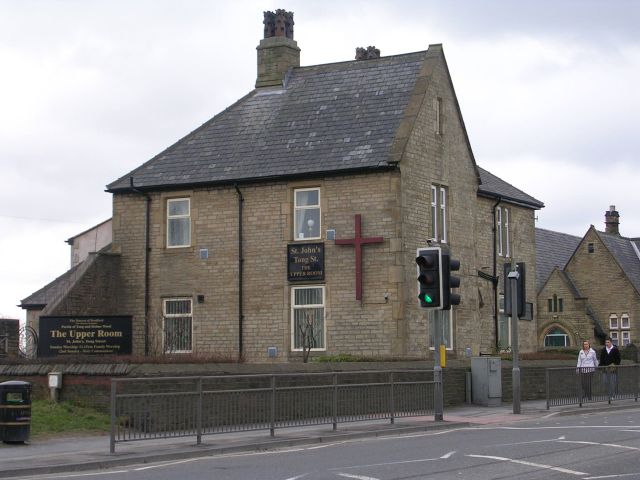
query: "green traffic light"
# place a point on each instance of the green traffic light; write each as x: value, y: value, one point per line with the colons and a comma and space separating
x: 427, y: 298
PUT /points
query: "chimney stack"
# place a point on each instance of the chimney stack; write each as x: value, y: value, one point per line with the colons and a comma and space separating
x: 612, y: 221
x: 278, y: 51
x: 367, y: 53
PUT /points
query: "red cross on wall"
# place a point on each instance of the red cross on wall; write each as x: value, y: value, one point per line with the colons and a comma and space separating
x: 358, y: 242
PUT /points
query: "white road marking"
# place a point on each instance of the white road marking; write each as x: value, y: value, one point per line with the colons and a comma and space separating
x: 420, y: 460
x: 357, y: 477
x: 74, y: 475
x: 531, y: 464
x: 614, y: 445
x: 166, y: 464
x: 613, y: 476
x: 447, y: 455
x: 297, y: 477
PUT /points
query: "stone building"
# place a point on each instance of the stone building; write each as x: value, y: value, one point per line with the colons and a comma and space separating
x: 588, y: 287
x: 293, y: 217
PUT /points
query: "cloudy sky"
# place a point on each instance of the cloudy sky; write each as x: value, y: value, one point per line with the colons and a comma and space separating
x: 90, y: 89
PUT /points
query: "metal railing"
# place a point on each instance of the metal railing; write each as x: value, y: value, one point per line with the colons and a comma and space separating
x: 148, y: 408
x: 577, y: 386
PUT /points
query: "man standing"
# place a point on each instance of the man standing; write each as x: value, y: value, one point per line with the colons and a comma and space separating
x: 610, y: 359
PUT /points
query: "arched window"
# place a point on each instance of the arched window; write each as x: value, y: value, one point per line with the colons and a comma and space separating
x: 556, y: 337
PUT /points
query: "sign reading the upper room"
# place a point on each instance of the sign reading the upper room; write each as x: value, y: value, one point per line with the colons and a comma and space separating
x: 305, y: 262
x: 84, y: 335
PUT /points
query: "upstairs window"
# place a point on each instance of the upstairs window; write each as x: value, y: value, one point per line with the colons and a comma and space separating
x: 503, y: 243
x: 178, y: 222
x: 613, y: 322
x: 307, y: 214
x: 439, y: 213
x: 555, y: 304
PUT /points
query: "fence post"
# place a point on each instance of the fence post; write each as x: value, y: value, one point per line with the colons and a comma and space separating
x: 392, y: 403
x: 580, y: 386
x: 546, y: 379
x: 272, y: 429
x: 199, y: 412
x: 334, y: 407
x: 112, y: 426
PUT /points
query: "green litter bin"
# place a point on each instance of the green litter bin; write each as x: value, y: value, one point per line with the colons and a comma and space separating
x: 15, y: 411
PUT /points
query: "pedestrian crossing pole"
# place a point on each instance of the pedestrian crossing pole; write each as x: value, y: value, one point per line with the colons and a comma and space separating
x: 437, y: 368
x: 515, y: 373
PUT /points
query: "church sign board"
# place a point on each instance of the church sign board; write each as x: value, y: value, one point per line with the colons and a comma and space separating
x: 305, y: 261
x: 84, y: 335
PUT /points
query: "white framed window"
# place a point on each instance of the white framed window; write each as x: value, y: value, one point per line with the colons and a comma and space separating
x: 439, y: 213
x: 443, y: 215
x: 499, y: 230
x: 306, y: 213
x: 507, y: 246
x: 504, y: 325
x: 178, y: 222
x: 434, y: 211
x: 624, y: 321
x: 614, y: 337
x: 556, y: 337
x: 178, y: 325
x: 626, y: 338
x: 613, y: 322
x: 447, y: 328
x: 307, y: 318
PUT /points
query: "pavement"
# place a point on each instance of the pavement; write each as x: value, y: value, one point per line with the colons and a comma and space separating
x: 82, y: 453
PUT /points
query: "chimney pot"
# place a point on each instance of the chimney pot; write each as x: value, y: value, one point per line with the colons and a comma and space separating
x: 367, y: 53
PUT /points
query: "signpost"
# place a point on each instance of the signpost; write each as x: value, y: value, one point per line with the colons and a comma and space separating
x: 84, y: 335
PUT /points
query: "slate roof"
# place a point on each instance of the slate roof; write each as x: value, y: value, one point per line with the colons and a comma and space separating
x: 50, y: 291
x: 336, y: 117
x: 495, y: 187
x: 625, y: 254
x: 553, y: 249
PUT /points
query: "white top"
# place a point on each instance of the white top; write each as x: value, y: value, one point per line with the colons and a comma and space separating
x: 588, y: 359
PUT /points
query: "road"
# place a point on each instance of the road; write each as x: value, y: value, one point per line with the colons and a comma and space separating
x: 597, y: 446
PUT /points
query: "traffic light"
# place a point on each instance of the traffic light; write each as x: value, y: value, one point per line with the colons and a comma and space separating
x: 449, y: 281
x: 430, y: 277
x: 521, y: 283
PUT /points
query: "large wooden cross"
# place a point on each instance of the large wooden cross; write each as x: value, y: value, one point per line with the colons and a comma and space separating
x: 358, y: 242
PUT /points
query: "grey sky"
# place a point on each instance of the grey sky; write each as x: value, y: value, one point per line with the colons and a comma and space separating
x: 91, y: 89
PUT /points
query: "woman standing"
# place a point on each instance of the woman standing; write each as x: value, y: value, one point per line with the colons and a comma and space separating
x: 587, y: 363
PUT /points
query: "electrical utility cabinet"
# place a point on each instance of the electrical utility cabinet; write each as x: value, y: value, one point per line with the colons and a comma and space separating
x: 486, y: 381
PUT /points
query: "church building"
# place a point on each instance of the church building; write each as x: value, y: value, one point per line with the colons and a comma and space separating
x: 292, y: 219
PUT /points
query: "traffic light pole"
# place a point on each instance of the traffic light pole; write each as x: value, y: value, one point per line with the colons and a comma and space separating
x: 515, y: 373
x: 437, y: 367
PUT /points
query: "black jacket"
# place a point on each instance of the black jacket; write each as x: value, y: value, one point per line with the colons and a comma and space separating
x: 611, y: 358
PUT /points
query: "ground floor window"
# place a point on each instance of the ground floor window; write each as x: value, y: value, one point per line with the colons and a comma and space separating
x: 447, y: 328
x: 556, y: 338
x: 178, y: 323
x: 307, y: 318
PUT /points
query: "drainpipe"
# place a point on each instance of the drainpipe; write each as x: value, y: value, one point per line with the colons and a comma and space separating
x: 146, y: 265
x: 495, y: 282
x: 240, y: 264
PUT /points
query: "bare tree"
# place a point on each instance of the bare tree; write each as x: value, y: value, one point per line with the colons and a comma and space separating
x: 307, y: 336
